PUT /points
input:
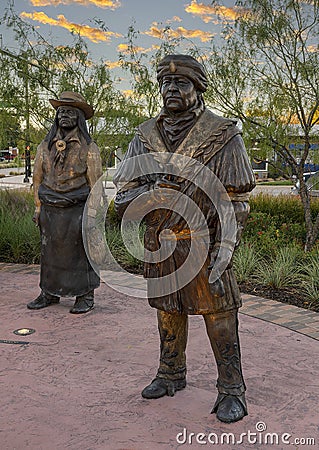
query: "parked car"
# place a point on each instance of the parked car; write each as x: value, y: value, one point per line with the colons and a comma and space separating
x: 312, y: 183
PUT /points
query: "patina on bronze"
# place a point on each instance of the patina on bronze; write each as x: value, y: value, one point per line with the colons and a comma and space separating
x: 186, y: 126
x: 67, y: 165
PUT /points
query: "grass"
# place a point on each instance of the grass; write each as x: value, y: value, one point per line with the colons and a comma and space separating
x: 275, y: 183
x: 246, y: 259
x: 121, y: 254
x: 310, y: 277
x: 19, y: 237
x: 281, y: 271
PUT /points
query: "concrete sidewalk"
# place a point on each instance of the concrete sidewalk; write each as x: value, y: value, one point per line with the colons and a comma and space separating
x: 75, y: 383
x: 17, y: 182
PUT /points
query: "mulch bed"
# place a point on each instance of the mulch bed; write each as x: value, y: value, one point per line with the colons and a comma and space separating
x: 290, y: 296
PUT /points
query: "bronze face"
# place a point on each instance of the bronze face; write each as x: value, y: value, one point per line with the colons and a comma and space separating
x: 179, y: 93
x: 67, y: 117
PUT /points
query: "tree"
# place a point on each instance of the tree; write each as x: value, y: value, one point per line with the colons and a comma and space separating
x: 41, y: 70
x: 266, y: 73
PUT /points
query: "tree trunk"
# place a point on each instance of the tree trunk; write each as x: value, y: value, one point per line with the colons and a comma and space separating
x: 311, y: 233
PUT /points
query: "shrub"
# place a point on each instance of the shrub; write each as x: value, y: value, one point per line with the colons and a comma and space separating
x: 282, y: 270
x: 120, y: 253
x: 246, y: 259
x: 310, y: 276
x: 19, y: 237
x: 284, y: 208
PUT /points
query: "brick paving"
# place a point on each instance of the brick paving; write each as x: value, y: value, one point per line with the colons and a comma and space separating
x: 75, y: 383
x: 296, y: 319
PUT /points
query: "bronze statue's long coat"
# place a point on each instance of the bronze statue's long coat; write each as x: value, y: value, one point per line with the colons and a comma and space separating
x: 216, y: 143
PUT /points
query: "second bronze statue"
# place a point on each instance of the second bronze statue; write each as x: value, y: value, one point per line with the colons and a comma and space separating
x: 67, y: 165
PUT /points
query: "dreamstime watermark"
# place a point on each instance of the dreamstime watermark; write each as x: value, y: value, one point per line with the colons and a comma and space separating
x: 181, y: 207
x: 259, y: 436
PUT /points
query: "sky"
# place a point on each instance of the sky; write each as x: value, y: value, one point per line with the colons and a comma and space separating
x: 194, y: 19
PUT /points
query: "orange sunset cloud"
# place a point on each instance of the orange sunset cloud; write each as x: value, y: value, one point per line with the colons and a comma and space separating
x: 124, y: 48
x: 159, y: 33
x: 313, y: 48
x: 94, y: 34
x: 173, y: 19
x: 113, y: 64
x: 100, y: 3
x: 205, y: 12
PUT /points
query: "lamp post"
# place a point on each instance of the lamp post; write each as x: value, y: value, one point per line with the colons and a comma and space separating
x: 27, y: 165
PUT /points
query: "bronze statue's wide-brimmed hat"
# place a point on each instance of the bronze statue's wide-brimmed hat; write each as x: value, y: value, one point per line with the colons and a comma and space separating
x: 184, y: 65
x: 74, y: 99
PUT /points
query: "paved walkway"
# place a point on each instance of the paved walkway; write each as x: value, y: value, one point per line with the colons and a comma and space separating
x: 75, y: 382
x: 15, y: 182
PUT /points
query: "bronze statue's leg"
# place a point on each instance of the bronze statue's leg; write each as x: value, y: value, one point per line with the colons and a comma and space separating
x: 171, y: 374
x: 43, y: 300
x: 83, y: 303
x: 222, y: 329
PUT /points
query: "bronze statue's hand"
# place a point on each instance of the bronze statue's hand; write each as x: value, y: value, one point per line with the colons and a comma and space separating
x: 165, y: 191
x: 36, y: 216
x: 224, y: 252
x: 164, y: 182
x: 217, y: 287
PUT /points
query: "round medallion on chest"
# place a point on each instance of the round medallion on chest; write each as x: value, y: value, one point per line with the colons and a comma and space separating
x: 60, y: 145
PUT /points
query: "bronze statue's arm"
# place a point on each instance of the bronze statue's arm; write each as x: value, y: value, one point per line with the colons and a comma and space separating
x: 37, y: 180
x: 233, y: 168
x: 148, y: 183
x: 128, y: 193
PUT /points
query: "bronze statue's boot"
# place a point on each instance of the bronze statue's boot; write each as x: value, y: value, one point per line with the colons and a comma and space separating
x: 222, y: 329
x: 171, y: 374
x: 83, y: 303
x: 43, y: 300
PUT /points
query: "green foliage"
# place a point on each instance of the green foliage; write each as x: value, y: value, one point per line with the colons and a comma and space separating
x: 115, y: 243
x: 288, y: 209
x: 275, y: 222
x: 246, y: 259
x: 282, y: 270
x: 310, y: 276
x: 19, y: 237
x: 112, y: 219
x: 283, y: 207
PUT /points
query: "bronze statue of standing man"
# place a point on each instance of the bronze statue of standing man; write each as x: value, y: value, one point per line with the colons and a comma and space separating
x: 186, y: 126
x: 67, y: 165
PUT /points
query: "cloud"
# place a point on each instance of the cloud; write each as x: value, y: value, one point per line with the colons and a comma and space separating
x: 124, y: 48
x: 128, y: 93
x: 113, y: 64
x: 205, y: 12
x: 313, y: 48
x: 94, y: 34
x: 100, y: 3
x: 173, y: 19
x: 160, y: 33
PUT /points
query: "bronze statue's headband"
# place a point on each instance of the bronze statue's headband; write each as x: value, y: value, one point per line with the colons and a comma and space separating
x: 184, y: 65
